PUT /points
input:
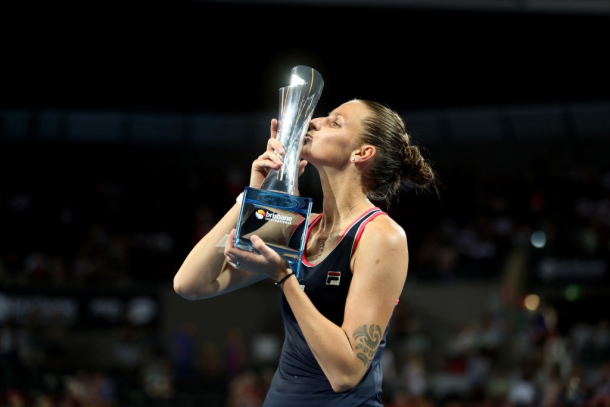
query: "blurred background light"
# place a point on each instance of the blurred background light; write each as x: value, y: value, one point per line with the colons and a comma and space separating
x: 572, y: 292
x: 538, y: 239
x: 531, y: 302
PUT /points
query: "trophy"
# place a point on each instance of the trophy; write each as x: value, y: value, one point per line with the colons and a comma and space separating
x: 274, y: 212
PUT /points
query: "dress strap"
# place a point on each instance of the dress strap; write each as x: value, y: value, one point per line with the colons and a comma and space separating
x: 371, y: 216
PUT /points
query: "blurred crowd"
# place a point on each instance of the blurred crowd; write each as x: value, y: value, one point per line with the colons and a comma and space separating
x: 63, y: 227
x: 478, y: 220
x: 39, y: 368
x: 483, y: 365
x: 494, y: 360
x: 114, y: 226
x: 117, y: 228
x: 500, y: 360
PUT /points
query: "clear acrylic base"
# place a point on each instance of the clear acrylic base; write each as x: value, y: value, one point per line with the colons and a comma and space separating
x: 274, y: 217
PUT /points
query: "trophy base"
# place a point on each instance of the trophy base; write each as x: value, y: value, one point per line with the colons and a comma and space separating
x: 274, y: 217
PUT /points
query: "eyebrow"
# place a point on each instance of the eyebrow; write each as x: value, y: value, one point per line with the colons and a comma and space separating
x: 337, y: 114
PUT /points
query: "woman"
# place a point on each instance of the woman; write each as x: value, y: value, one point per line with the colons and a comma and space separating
x: 336, y: 315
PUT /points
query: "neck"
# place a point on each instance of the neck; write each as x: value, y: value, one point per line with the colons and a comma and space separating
x: 344, y: 199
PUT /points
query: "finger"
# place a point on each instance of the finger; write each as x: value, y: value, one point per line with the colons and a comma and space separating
x: 275, y: 146
x: 302, y: 166
x: 229, y: 243
x: 262, y: 248
x: 273, y: 128
x: 231, y: 238
x: 263, y: 164
x: 270, y: 155
x: 231, y: 260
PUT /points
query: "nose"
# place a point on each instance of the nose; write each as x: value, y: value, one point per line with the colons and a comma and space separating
x: 314, y: 125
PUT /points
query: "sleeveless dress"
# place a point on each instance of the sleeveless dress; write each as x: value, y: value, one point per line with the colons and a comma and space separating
x: 299, y: 381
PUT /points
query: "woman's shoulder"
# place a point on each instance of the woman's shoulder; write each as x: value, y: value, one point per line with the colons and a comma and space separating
x: 384, y: 229
x: 382, y: 238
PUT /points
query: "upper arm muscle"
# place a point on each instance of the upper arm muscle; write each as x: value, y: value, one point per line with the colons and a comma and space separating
x: 380, y: 269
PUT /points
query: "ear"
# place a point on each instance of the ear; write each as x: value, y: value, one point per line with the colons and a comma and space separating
x: 364, y: 154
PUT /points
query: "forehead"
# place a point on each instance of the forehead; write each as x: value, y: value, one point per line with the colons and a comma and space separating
x: 352, y: 112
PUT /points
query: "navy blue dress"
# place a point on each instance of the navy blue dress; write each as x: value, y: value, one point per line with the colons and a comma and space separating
x: 299, y: 381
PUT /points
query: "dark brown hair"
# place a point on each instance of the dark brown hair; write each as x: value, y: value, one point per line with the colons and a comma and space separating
x: 396, y: 158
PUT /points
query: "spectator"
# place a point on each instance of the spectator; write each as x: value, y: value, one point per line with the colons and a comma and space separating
x: 184, y: 353
x: 522, y: 391
x: 234, y: 352
x: 551, y: 388
x: 414, y: 375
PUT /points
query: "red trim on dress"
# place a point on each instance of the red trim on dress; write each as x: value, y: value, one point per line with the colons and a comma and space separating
x: 296, y: 226
x: 342, y: 235
x: 357, y: 220
x: 362, y: 229
x: 303, y: 259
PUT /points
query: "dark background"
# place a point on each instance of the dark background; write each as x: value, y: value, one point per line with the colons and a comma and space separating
x: 181, y: 55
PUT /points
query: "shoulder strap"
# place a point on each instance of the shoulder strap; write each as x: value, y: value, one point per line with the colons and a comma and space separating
x: 370, y: 216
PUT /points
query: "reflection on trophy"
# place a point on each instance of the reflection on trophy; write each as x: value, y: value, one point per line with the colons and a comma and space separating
x: 274, y: 211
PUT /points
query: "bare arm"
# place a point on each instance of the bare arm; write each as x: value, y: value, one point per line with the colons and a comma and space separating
x: 380, y: 269
x: 379, y: 272
x: 205, y: 273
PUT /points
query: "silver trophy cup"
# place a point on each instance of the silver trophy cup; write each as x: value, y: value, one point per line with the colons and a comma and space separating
x: 275, y: 212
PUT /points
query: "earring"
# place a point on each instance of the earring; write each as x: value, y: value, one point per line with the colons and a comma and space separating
x: 353, y: 159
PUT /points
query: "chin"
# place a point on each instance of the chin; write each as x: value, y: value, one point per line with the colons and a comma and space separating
x: 305, y: 153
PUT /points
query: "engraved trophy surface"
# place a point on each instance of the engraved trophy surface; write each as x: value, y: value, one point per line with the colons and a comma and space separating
x: 273, y: 212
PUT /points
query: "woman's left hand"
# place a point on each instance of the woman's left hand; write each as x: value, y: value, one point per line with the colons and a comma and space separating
x: 267, y: 261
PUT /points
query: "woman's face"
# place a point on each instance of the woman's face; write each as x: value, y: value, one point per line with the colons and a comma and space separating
x: 331, y: 139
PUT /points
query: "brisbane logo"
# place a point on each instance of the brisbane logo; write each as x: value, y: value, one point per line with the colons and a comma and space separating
x: 260, y: 214
x: 273, y: 217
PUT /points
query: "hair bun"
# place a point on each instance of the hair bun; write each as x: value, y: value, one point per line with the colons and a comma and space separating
x: 396, y: 159
x: 415, y: 169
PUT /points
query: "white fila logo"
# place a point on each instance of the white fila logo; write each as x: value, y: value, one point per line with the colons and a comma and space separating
x: 333, y: 278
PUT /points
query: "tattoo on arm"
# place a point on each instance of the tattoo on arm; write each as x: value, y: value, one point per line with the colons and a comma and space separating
x: 367, y: 340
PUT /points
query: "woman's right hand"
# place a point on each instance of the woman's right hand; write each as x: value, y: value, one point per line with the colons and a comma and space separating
x: 269, y: 160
